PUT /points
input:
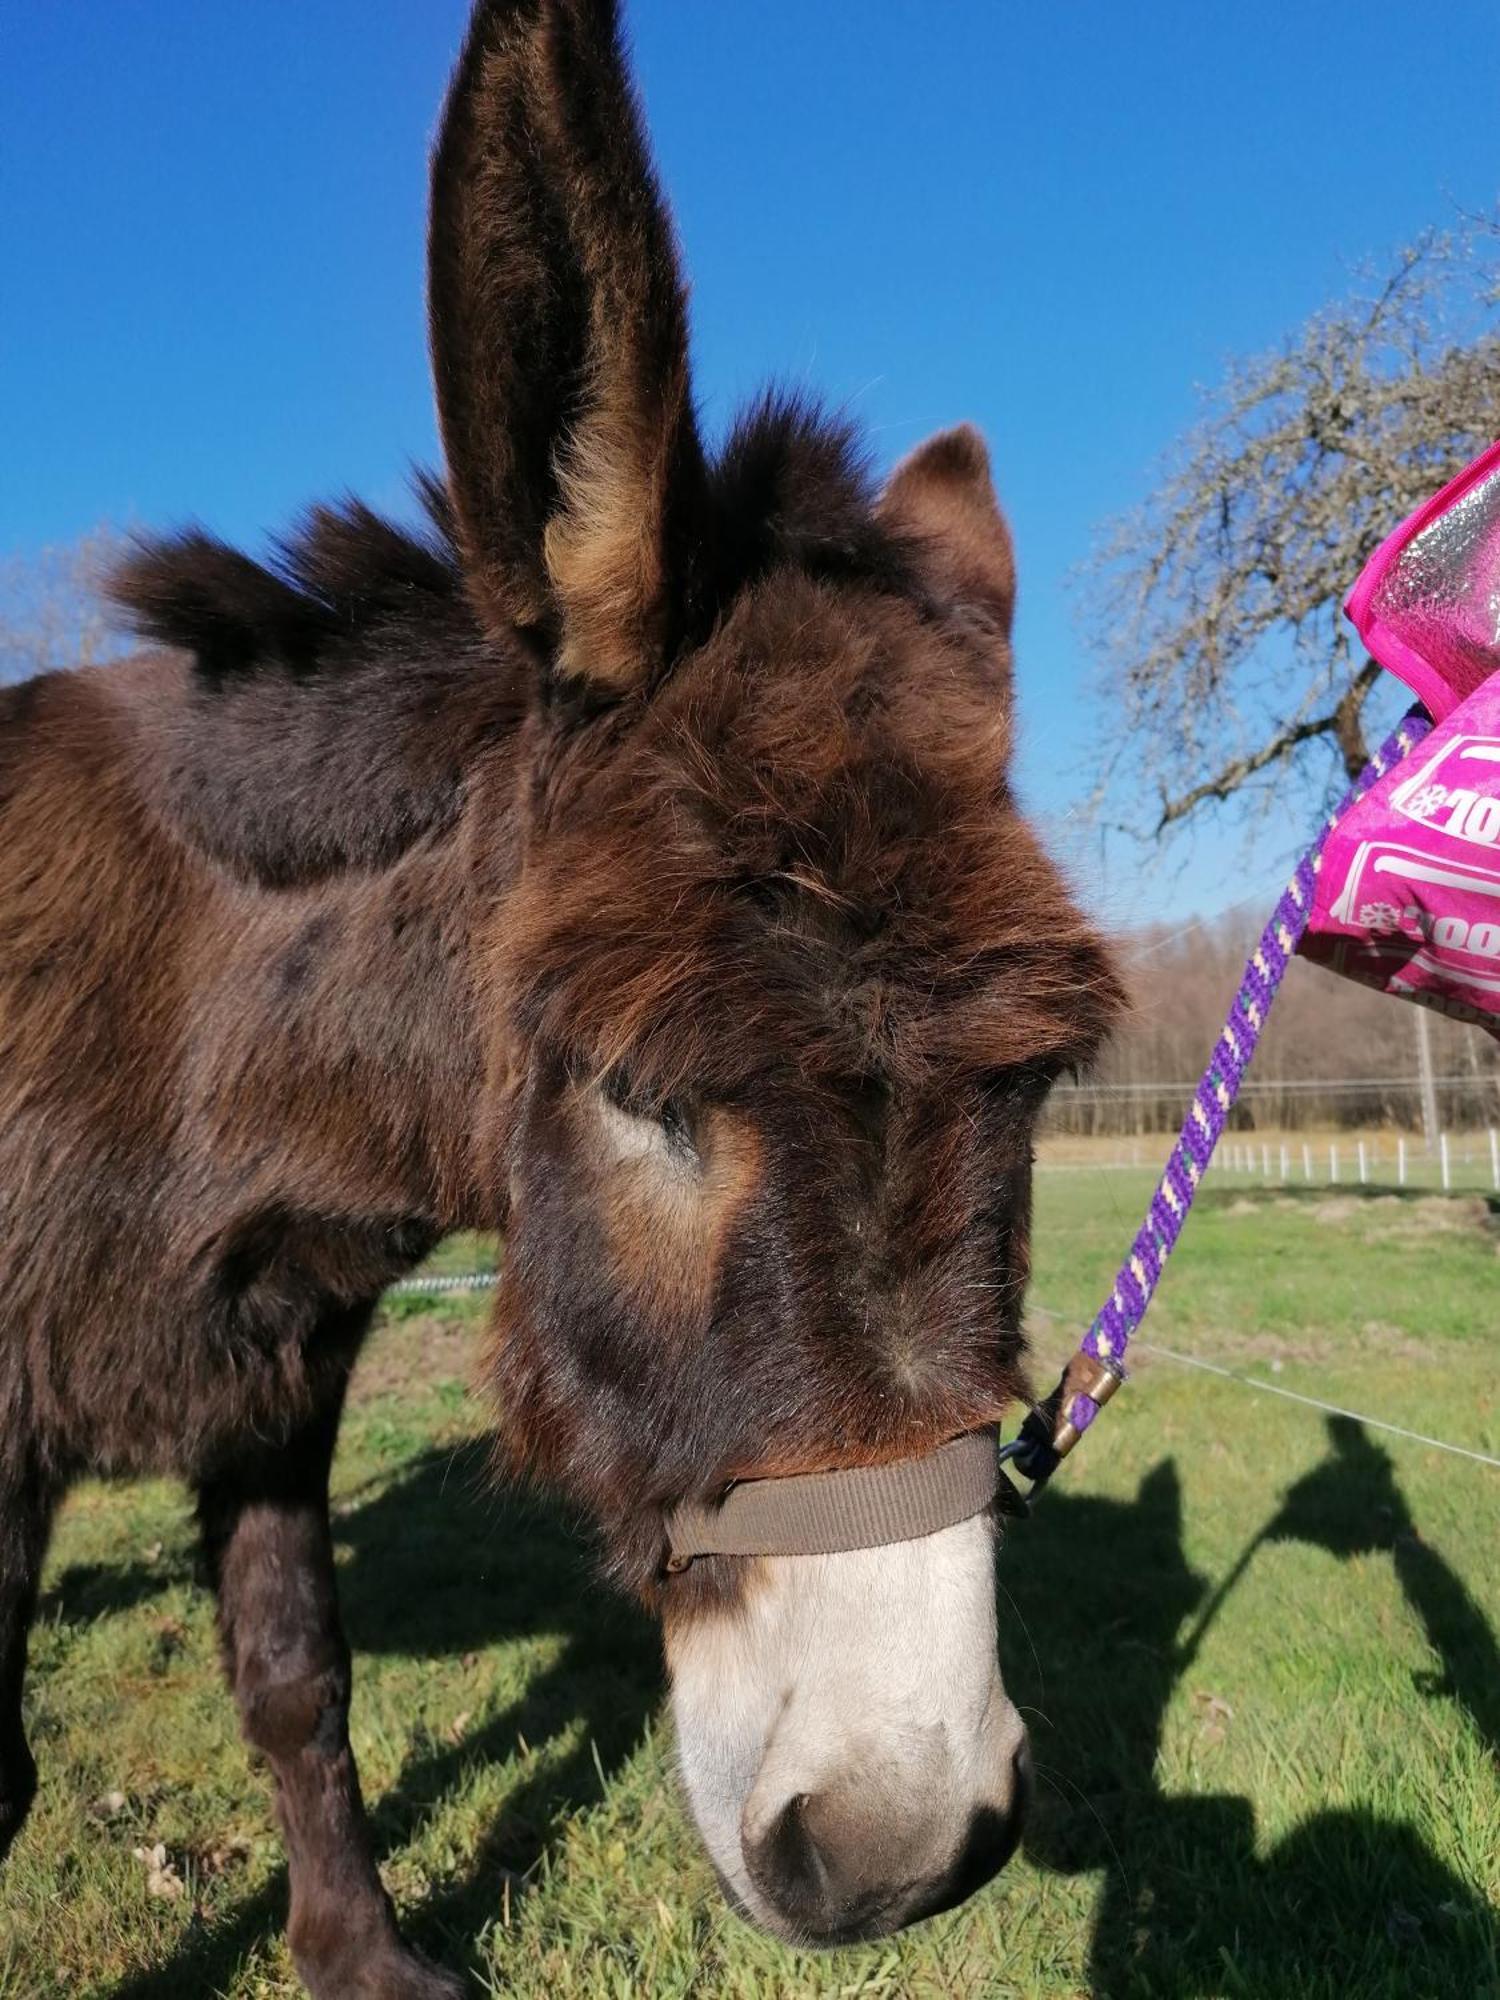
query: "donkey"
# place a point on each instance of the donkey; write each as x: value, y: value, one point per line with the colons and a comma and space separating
x: 626, y: 861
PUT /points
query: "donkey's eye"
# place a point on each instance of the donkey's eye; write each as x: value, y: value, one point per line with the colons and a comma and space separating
x: 668, y: 1115
x: 620, y: 1090
x: 673, y: 1121
x: 1020, y: 1084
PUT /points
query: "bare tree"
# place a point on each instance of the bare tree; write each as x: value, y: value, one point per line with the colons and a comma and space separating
x: 1218, y: 601
x: 52, y: 613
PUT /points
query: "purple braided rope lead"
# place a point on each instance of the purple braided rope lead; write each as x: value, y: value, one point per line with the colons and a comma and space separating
x: 1104, y: 1345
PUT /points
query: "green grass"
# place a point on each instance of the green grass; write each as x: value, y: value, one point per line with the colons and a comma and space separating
x: 1257, y: 1651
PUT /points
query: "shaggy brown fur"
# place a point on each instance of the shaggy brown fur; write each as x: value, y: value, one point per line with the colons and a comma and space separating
x: 628, y: 863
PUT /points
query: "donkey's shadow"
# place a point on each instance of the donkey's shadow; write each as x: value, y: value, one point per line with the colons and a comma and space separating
x: 437, y: 1563
x: 1191, y: 1905
x: 442, y: 1563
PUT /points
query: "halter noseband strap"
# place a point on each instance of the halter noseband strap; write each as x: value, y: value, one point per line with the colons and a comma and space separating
x: 854, y: 1507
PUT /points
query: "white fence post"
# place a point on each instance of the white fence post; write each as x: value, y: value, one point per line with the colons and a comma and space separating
x: 1307, y: 1163
x: 1364, y: 1166
x: 1265, y: 1161
x: 1285, y: 1165
x: 1443, y: 1157
x: 1333, y: 1163
x: 1401, y: 1161
x: 1494, y: 1158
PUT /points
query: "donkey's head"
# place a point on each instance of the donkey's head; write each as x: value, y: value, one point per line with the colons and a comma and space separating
x: 778, y: 987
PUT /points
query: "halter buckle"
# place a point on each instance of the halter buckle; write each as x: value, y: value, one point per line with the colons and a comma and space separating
x: 1009, y: 1499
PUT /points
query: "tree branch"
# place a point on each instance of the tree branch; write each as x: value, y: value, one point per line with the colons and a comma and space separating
x: 1341, y: 723
x: 1218, y: 597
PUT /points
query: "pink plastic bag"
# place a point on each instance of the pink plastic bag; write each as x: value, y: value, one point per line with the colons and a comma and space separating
x: 1408, y: 895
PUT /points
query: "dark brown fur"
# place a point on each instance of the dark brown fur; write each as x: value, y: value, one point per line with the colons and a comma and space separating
x: 628, y: 862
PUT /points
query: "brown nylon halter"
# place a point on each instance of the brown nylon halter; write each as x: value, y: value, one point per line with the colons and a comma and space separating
x: 852, y: 1507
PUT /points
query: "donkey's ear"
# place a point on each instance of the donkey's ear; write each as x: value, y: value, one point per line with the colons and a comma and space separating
x: 559, y: 345
x: 943, y: 497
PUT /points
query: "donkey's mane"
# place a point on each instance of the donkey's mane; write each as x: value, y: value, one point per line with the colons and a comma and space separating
x: 793, y: 487
x: 343, y: 570
x: 790, y: 487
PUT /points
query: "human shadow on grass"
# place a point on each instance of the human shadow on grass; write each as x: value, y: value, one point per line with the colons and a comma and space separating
x: 1189, y: 1906
x: 1351, y: 1505
x: 439, y: 1563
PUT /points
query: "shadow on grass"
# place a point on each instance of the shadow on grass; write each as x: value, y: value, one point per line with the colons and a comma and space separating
x: 1189, y: 1906
x: 439, y: 1563
x: 84, y: 1592
x: 1315, y: 1194
x: 1351, y: 1505
x: 442, y: 1563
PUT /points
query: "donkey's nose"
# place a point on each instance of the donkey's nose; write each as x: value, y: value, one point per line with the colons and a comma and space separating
x: 837, y: 1867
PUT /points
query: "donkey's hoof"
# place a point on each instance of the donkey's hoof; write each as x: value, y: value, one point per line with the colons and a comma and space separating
x: 17, y: 1790
x: 12, y: 1818
x: 409, y: 1976
x: 387, y: 1972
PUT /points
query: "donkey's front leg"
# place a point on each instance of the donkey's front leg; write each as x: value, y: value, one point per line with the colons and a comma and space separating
x: 265, y: 1529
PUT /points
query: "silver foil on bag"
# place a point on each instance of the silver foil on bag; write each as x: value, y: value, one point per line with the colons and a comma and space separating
x: 1442, y: 594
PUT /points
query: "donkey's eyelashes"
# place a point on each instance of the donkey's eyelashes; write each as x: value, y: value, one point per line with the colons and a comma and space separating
x: 1022, y: 1085
x: 673, y: 1120
x: 625, y: 1093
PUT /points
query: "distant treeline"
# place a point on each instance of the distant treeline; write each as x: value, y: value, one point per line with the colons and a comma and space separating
x: 1335, y: 1054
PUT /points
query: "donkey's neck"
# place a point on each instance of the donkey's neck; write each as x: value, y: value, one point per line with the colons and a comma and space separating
x: 380, y: 1038
x: 385, y: 1032
x: 334, y: 836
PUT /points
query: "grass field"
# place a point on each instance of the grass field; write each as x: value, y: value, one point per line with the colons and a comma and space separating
x: 1257, y: 1648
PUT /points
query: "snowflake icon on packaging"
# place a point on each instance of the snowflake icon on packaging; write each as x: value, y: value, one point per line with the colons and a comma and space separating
x: 1427, y: 800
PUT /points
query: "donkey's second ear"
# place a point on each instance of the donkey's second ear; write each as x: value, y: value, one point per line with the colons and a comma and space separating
x: 942, y: 497
x: 559, y: 346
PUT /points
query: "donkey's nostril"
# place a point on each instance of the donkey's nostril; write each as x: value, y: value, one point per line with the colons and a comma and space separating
x: 839, y: 1865
x: 993, y: 1838
x: 835, y: 1867
x: 813, y: 1865
x: 788, y: 1857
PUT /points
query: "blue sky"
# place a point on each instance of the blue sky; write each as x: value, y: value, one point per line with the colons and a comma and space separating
x: 1053, y: 220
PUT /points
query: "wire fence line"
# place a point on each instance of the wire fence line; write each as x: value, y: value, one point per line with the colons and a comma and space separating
x: 478, y: 1281
x: 1316, y: 1403
x: 1460, y: 1162
x: 1259, y: 1383
x: 1124, y: 1107
x: 1330, y: 1086
x: 459, y: 1281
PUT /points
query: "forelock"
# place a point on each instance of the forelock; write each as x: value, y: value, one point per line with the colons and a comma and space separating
x: 807, y: 852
